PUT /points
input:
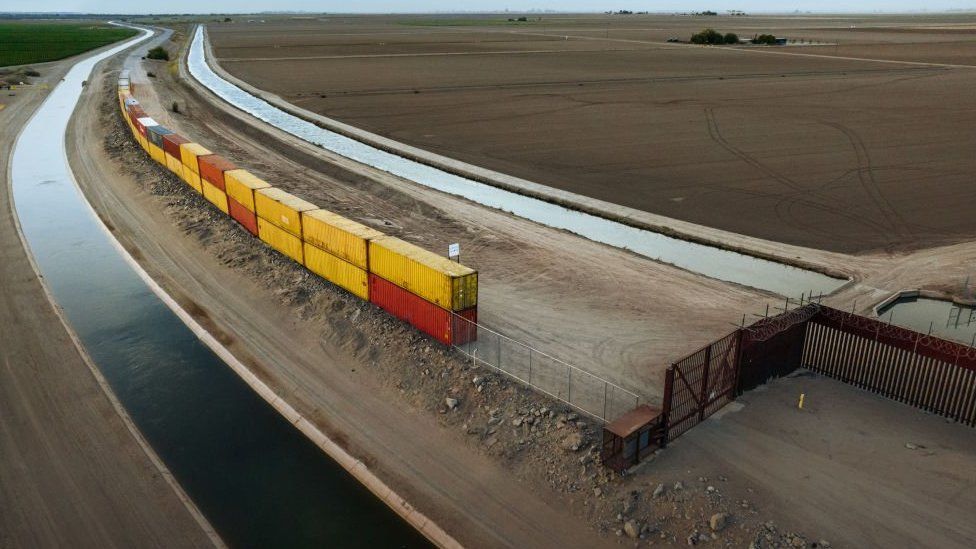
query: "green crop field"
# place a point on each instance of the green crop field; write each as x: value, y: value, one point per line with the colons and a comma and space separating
x: 29, y: 42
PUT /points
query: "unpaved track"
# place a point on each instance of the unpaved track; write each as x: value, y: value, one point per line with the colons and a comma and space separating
x: 469, y: 495
x: 72, y: 474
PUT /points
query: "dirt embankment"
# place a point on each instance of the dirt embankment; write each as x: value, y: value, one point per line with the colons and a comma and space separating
x: 493, y: 463
x: 72, y: 470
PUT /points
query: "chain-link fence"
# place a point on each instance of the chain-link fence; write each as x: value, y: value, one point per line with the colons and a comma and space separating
x: 582, y: 390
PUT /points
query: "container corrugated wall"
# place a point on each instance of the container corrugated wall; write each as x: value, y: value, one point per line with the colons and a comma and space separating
x: 422, y: 314
x: 282, y: 209
x: 337, y: 271
x: 432, y: 277
x: 241, y: 185
x: 214, y: 195
x: 171, y: 148
x: 339, y: 236
x: 212, y: 168
x: 189, y: 152
x: 281, y: 240
x: 244, y: 216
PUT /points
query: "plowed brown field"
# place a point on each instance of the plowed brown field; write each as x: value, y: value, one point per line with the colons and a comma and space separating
x: 864, y: 141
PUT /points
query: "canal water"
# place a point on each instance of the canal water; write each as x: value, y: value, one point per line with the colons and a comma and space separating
x: 944, y: 318
x: 258, y: 480
x: 707, y: 260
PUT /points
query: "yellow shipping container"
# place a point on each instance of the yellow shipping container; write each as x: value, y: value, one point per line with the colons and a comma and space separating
x: 189, y: 153
x: 157, y: 153
x: 174, y: 164
x: 241, y: 185
x: 426, y: 274
x: 216, y: 196
x: 335, y: 270
x: 341, y: 237
x: 282, y: 209
x: 192, y: 179
x: 281, y: 240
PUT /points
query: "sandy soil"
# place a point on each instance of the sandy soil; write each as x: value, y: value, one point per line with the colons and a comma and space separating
x: 793, y: 148
x: 73, y: 472
x: 868, y: 472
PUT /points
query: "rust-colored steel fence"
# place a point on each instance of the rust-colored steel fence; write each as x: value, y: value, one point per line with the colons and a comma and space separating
x: 699, y: 384
x: 928, y: 372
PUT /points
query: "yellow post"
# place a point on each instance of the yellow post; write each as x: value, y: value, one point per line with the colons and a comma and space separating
x: 800, y: 406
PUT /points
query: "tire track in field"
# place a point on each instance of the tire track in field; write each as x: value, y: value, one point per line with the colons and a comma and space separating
x: 865, y: 174
x: 800, y: 192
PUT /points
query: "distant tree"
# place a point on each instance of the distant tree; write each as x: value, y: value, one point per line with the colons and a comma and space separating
x: 708, y: 36
x: 731, y: 38
x: 158, y: 53
x: 767, y: 39
x: 227, y: 20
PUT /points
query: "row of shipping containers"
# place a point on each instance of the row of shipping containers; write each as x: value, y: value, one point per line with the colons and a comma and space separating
x: 436, y: 295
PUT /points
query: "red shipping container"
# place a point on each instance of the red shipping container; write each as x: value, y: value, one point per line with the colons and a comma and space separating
x: 424, y: 315
x: 135, y: 112
x: 242, y: 215
x: 172, y: 142
x: 212, y: 168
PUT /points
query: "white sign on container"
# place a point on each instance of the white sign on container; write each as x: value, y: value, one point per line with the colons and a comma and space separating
x: 454, y: 250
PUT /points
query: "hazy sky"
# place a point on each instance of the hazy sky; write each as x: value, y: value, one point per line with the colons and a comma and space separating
x: 386, y: 6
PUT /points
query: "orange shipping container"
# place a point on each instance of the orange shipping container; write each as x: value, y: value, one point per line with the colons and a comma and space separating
x: 212, y: 168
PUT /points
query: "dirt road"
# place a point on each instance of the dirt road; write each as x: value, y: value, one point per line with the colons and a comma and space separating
x: 73, y: 470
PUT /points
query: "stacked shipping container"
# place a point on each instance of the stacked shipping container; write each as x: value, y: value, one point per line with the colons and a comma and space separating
x: 434, y: 294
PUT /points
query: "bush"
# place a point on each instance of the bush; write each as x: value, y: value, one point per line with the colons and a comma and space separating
x: 767, y: 39
x: 708, y: 36
x: 158, y: 53
x: 31, y: 72
x: 151, y: 74
x: 731, y: 38
x: 176, y: 107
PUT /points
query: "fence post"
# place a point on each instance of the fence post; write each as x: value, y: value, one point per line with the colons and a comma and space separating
x: 740, y: 337
x: 569, y: 371
x: 703, y: 403
x: 666, y: 405
x: 606, y: 387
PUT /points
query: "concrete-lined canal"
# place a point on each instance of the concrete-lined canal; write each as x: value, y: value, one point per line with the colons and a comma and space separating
x: 699, y: 258
x: 257, y: 479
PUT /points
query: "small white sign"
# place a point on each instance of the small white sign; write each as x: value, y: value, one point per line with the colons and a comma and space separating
x: 454, y: 250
